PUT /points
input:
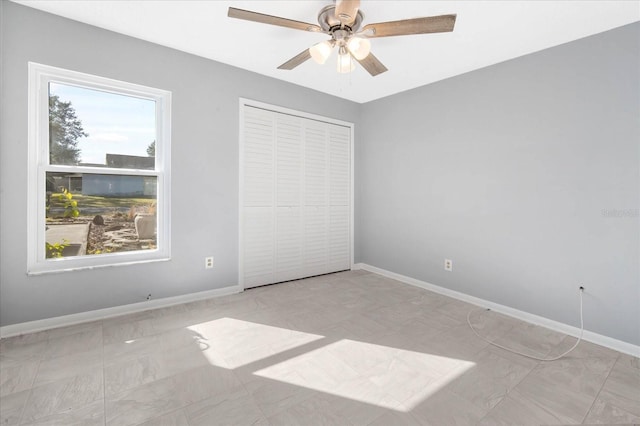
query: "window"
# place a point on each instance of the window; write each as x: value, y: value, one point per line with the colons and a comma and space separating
x: 99, y: 171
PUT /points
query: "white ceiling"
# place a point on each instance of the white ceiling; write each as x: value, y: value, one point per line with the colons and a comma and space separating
x: 486, y: 32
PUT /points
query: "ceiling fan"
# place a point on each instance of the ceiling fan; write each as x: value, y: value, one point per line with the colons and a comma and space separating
x: 342, y: 22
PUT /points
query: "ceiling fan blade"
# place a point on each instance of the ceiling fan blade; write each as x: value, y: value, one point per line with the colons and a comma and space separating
x: 296, y: 60
x: 247, y: 15
x: 347, y: 10
x: 431, y: 24
x: 371, y: 64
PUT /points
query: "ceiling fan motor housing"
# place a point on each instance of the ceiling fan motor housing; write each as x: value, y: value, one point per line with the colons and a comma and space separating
x: 330, y: 23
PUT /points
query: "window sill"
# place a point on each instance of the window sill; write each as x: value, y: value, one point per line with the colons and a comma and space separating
x: 46, y: 269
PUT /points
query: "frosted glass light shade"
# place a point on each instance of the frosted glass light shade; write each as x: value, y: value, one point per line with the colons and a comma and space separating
x: 359, y: 47
x: 320, y: 52
x: 345, y: 64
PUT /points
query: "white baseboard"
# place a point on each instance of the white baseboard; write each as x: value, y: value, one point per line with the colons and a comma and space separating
x: 66, y: 320
x: 589, y: 336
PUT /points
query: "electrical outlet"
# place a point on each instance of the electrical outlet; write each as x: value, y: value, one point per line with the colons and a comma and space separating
x: 448, y: 265
x: 208, y: 262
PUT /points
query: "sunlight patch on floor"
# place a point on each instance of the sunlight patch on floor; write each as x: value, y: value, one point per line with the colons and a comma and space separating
x: 232, y: 343
x: 388, y: 377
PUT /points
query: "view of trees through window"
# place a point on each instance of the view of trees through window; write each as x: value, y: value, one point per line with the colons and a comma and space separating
x: 89, y: 212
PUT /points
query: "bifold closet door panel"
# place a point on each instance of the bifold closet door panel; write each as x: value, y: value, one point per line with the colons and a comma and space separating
x: 289, y: 176
x: 316, y: 198
x: 339, y: 232
x: 258, y: 222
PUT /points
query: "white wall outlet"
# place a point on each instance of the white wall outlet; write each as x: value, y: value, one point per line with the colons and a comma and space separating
x: 448, y: 265
x: 208, y: 262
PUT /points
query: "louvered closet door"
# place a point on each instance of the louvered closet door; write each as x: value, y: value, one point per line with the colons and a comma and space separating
x: 316, y: 199
x: 288, y: 197
x: 339, y: 234
x: 259, y: 229
x: 296, y: 197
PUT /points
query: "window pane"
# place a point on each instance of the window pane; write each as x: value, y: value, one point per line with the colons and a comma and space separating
x: 100, y: 129
x: 91, y: 214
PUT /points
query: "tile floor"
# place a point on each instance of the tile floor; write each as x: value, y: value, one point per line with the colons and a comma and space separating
x: 352, y: 348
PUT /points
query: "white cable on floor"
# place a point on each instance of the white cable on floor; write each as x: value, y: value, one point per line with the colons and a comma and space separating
x: 531, y: 356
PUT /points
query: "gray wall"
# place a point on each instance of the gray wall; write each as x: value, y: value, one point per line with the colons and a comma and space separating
x: 506, y: 171
x: 204, y: 160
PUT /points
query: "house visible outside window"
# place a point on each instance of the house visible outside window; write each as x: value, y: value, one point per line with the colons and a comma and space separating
x: 99, y: 171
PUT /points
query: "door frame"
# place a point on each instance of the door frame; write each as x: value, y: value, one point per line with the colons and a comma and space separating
x: 243, y: 103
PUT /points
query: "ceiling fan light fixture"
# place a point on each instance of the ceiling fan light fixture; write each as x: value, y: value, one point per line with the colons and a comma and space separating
x: 320, y: 52
x: 345, y: 64
x: 359, y: 47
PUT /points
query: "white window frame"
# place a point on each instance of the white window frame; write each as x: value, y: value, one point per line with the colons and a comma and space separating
x: 38, y: 165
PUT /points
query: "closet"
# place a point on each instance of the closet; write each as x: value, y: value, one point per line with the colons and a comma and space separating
x: 295, y: 195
